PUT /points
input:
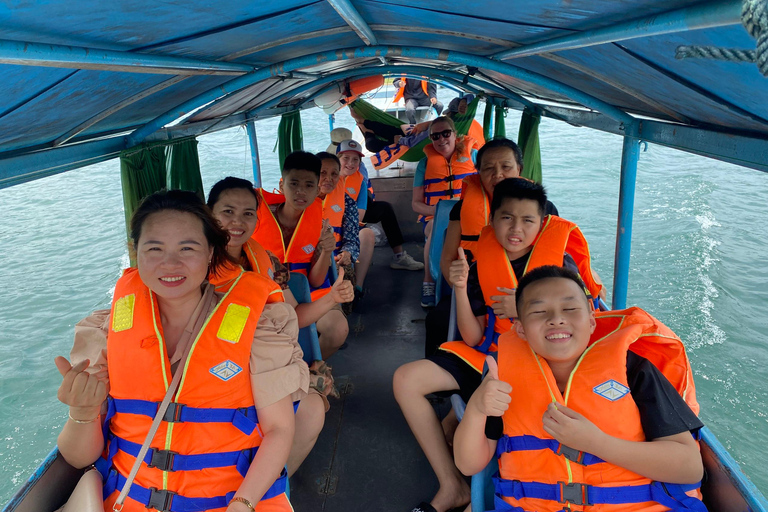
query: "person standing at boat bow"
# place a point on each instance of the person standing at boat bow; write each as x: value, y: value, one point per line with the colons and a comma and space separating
x: 231, y: 358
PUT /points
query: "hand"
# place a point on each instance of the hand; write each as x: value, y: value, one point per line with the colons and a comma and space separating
x: 81, y: 391
x: 504, y: 305
x: 343, y: 258
x: 398, y: 83
x: 458, y: 272
x: 433, y: 100
x: 492, y: 397
x: 571, y: 428
x: 327, y: 242
x: 342, y: 291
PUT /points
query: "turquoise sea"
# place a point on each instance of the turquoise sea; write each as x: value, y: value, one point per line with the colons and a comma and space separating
x: 698, y: 250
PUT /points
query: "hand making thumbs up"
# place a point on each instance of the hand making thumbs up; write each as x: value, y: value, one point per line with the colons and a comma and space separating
x: 492, y: 397
x: 459, y: 271
x: 342, y: 291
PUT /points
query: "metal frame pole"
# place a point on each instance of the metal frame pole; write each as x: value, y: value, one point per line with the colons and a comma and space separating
x: 250, y: 127
x: 629, y: 156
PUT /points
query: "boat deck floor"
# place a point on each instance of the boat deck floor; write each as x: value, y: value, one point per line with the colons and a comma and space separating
x: 366, y: 457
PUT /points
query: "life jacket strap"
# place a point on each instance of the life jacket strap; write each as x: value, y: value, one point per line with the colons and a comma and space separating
x: 164, y: 500
x: 244, y: 419
x: 293, y: 267
x: 470, y: 238
x: 167, y: 460
x: 448, y: 179
x: 669, y: 495
x: 509, y: 444
x: 490, y: 336
x: 439, y: 193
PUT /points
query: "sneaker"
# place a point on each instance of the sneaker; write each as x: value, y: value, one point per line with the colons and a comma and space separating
x: 404, y: 261
x: 427, y: 295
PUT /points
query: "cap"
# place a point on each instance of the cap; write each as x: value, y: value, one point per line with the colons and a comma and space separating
x: 338, y: 135
x: 349, y: 145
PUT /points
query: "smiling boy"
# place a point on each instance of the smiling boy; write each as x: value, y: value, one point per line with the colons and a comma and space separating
x: 586, y: 415
x: 519, y: 238
x: 291, y: 226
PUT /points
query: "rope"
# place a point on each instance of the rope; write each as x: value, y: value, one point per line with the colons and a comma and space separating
x: 754, y: 17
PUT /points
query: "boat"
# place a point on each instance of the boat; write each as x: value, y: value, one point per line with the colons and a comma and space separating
x: 83, y: 81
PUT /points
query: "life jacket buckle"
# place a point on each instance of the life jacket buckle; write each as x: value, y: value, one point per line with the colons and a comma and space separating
x: 173, y: 413
x: 160, y: 499
x: 574, y: 493
x: 571, y: 454
x: 162, y: 459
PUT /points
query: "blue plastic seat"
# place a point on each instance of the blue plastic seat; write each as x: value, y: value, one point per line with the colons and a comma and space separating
x: 307, y: 335
x: 439, y: 227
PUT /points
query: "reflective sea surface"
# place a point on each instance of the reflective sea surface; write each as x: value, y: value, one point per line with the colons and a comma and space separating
x: 698, y: 264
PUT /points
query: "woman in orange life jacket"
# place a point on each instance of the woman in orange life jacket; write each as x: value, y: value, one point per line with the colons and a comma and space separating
x: 241, y: 364
x: 234, y: 202
x: 438, y: 176
x: 623, y: 446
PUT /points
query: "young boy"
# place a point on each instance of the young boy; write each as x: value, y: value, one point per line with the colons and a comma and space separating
x: 291, y: 226
x: 587, y: 416
x: 357, y: 186
x: 484, y: 307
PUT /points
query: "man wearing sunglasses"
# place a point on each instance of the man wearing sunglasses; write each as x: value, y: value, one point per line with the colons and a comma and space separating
x: 449, y: 159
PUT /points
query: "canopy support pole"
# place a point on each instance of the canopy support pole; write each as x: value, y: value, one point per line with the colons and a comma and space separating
x: 629, y: 156
x: 250, y: 127
x: 352, y: 17
x: 714, y: 14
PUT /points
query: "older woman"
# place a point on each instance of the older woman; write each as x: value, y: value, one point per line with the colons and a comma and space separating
x: 449, y: 159
x: 233, y: 359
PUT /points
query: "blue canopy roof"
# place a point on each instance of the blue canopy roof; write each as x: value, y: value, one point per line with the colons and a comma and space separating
x: 83, y: 80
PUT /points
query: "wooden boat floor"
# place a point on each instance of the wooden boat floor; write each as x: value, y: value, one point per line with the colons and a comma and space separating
x: 366, y: 457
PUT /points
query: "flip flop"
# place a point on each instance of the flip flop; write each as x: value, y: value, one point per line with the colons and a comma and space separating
x: 424, y: 507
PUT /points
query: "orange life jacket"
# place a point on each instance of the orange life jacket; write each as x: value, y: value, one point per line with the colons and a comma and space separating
x: 259, y: 261
x: 538, y: 473
x: 475, y: 211
x: 333, y: 210
x: 556, y: 238
x: 401, y: 90
x: 476, y: 132
x: 298, y: 255
x: 207, y: 440
x: 443, y: 179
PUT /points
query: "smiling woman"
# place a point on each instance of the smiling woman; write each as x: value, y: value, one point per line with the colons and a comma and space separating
x: 205, y: 339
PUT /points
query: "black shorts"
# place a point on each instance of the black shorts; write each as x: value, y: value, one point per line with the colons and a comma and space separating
x: 466, y: 376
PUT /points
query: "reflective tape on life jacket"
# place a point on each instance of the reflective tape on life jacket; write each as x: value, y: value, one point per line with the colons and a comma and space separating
x: 212, y: 423
x: 475, y: 212
x: 538, y: 473
x: 443, y: 178
x: 297, y: 256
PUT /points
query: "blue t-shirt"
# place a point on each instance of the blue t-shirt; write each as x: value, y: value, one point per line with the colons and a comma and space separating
x: 421, y: 170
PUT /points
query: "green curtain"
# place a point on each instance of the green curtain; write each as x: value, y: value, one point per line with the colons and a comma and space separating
x: 183, y: 166
x: 488, y: 118
x: 290, y: 137
x: 528, y: 140
x: 499, y: 126
x: 416, y: 153
x: 142, y: 172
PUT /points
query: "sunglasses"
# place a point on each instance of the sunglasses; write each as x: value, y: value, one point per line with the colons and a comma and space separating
x: 445, y: 134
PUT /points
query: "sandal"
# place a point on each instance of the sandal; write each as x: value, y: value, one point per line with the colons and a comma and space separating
x: 424, y: 507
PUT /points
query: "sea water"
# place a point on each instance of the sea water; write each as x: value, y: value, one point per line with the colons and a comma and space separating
x: 698, y: 264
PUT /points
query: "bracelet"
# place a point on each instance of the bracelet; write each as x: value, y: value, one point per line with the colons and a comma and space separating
x: 83, y: 421
x: 244, y: 502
